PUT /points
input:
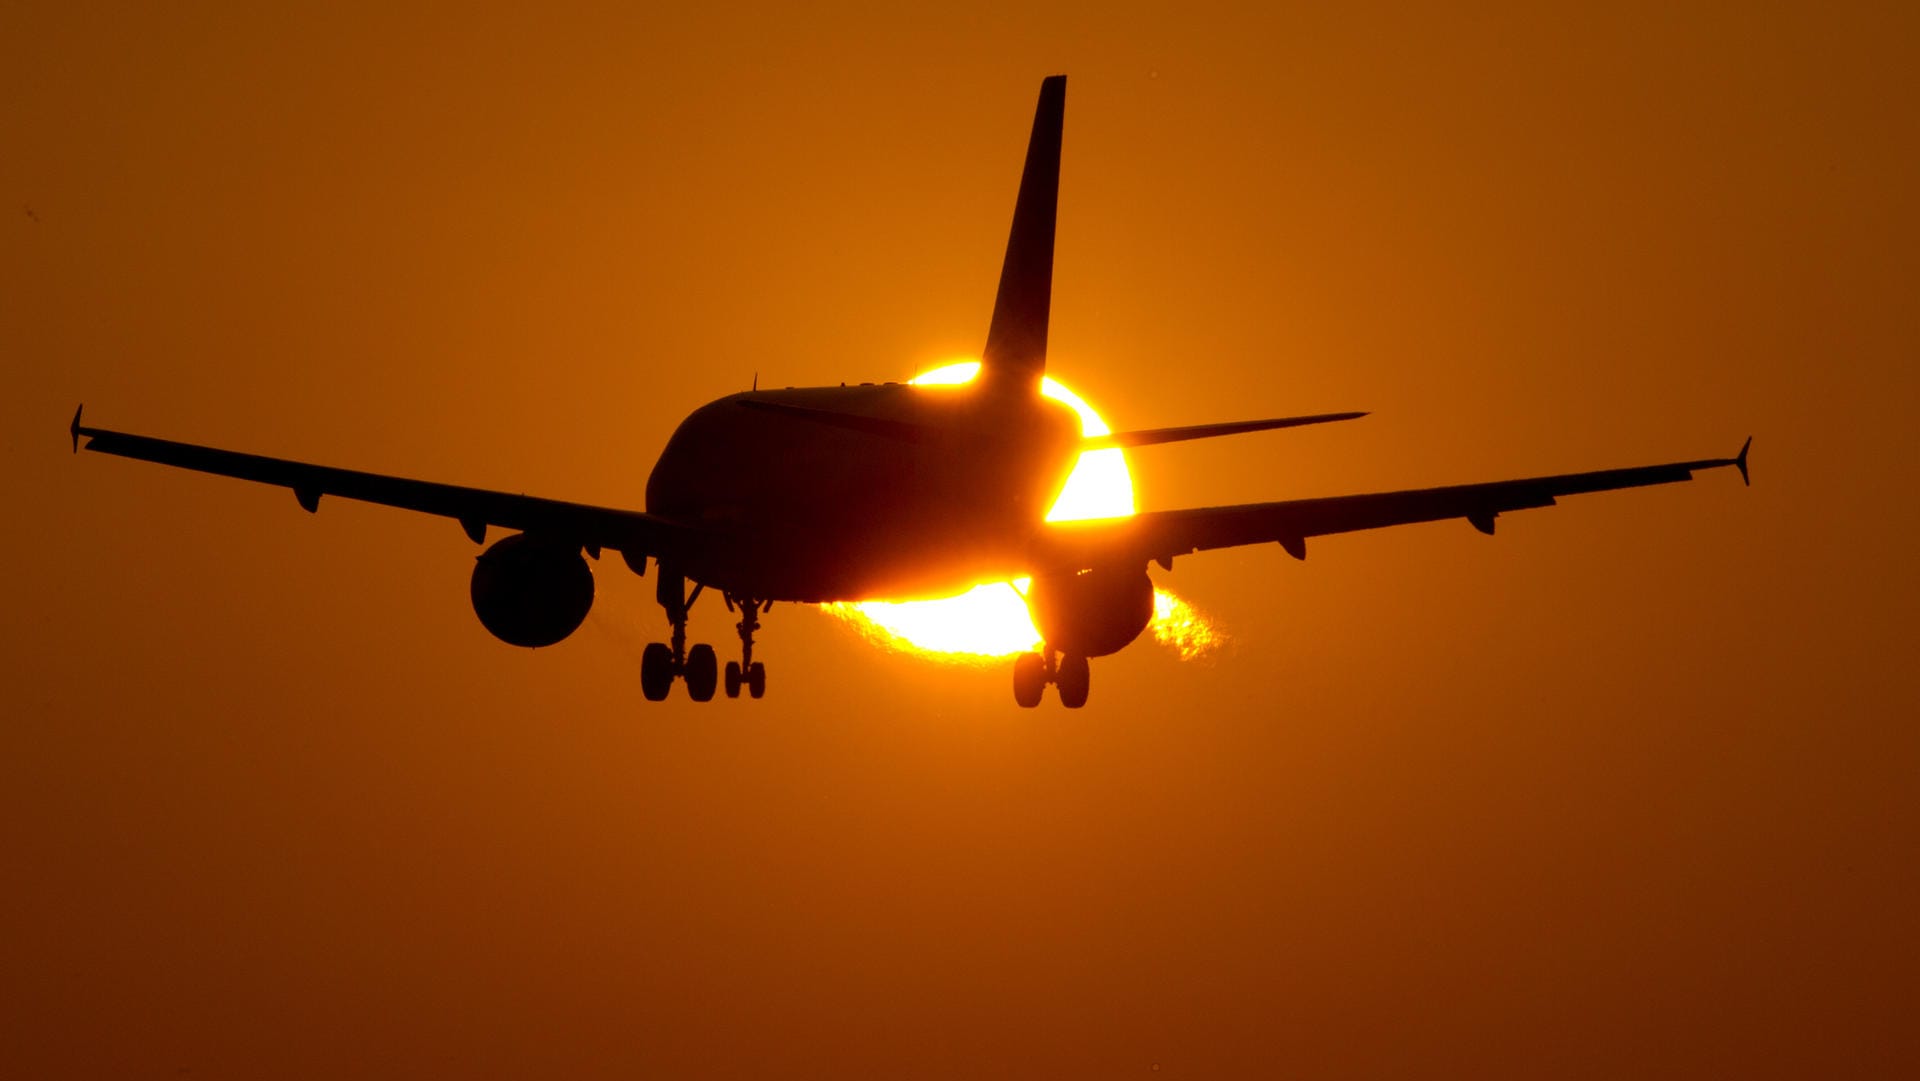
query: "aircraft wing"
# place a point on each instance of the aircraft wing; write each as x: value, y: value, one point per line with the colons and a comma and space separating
x: 1162, y: 535
x: 633, y: 533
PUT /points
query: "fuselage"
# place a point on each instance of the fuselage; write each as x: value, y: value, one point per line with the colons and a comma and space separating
x: 876, y: 491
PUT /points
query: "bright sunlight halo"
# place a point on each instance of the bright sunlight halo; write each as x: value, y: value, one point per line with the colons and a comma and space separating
x: 990, y: 621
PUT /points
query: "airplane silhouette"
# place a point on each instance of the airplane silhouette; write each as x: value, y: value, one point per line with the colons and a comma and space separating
x: 884, y: 491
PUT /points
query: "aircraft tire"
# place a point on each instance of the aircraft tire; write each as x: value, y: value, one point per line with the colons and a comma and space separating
x: 732, y: 680
x: 757, y: 679
x: 1074, y: 680
x: 1029, y: 679
x: 702, y: 674
x: 656, y: 671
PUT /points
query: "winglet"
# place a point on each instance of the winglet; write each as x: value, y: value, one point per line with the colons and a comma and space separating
x: 74, y: 428
x: 1740, y: 460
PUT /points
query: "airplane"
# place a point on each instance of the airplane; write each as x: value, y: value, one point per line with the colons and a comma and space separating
x: 882, y: 491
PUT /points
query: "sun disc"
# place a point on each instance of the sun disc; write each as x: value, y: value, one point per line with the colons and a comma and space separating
x: 990, y: 621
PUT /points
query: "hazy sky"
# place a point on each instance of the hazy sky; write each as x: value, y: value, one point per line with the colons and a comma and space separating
x: 1625, y: 790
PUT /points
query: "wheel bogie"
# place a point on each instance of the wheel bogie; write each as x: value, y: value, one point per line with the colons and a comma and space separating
x: 1033, y: 671
x: 661, y: 664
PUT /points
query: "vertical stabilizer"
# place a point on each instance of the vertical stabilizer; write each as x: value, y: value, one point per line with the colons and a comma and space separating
x: 1016, y: 352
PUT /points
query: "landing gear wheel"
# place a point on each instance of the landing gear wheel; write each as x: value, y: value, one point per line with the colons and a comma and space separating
x: 702, y: 673
x: 748, y: 673
x: 656, y: 671
x: 1074, y: 680
x: 1029, y: 679
x: 661, y: 663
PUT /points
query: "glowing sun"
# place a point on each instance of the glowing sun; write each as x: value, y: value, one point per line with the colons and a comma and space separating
x: 990, y: 622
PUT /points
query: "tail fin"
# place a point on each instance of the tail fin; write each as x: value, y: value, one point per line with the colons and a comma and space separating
x: 1016, y: 352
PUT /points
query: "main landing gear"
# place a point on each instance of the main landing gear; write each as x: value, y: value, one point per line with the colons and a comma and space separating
x: 746, y: 671
x: 1033, y: 671
x: 662, y: 663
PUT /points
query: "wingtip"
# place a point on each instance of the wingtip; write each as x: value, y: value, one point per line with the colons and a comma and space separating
x: 73, y: 429
x: 1740, y: 460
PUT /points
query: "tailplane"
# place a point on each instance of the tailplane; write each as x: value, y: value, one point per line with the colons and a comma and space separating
x: 1147, y: 437
x: 1016, y: 352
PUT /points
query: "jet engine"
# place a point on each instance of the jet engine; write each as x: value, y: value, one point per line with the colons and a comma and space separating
x: 531, y: 591
x: 1093, y: 613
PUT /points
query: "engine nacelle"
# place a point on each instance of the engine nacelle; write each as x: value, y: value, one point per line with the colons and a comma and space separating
x: 1092, y: 613
x: 530, y: 591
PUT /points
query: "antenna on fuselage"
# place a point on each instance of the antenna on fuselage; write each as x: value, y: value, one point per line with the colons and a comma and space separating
x: 1016, y: 352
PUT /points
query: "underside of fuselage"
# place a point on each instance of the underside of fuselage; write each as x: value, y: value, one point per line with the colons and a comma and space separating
x: 878, y: 491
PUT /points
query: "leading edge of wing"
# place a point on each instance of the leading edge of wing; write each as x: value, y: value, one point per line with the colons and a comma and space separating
x: 1161, y: 535
x: 634, y: 533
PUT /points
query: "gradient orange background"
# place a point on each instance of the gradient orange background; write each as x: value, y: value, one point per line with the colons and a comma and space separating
x: 1627, y: 790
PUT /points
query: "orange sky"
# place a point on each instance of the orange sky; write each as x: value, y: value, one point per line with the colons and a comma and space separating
x: 1626, y: 790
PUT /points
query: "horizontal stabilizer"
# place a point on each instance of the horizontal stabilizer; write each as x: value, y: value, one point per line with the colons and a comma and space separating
x: 1147, y: 437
